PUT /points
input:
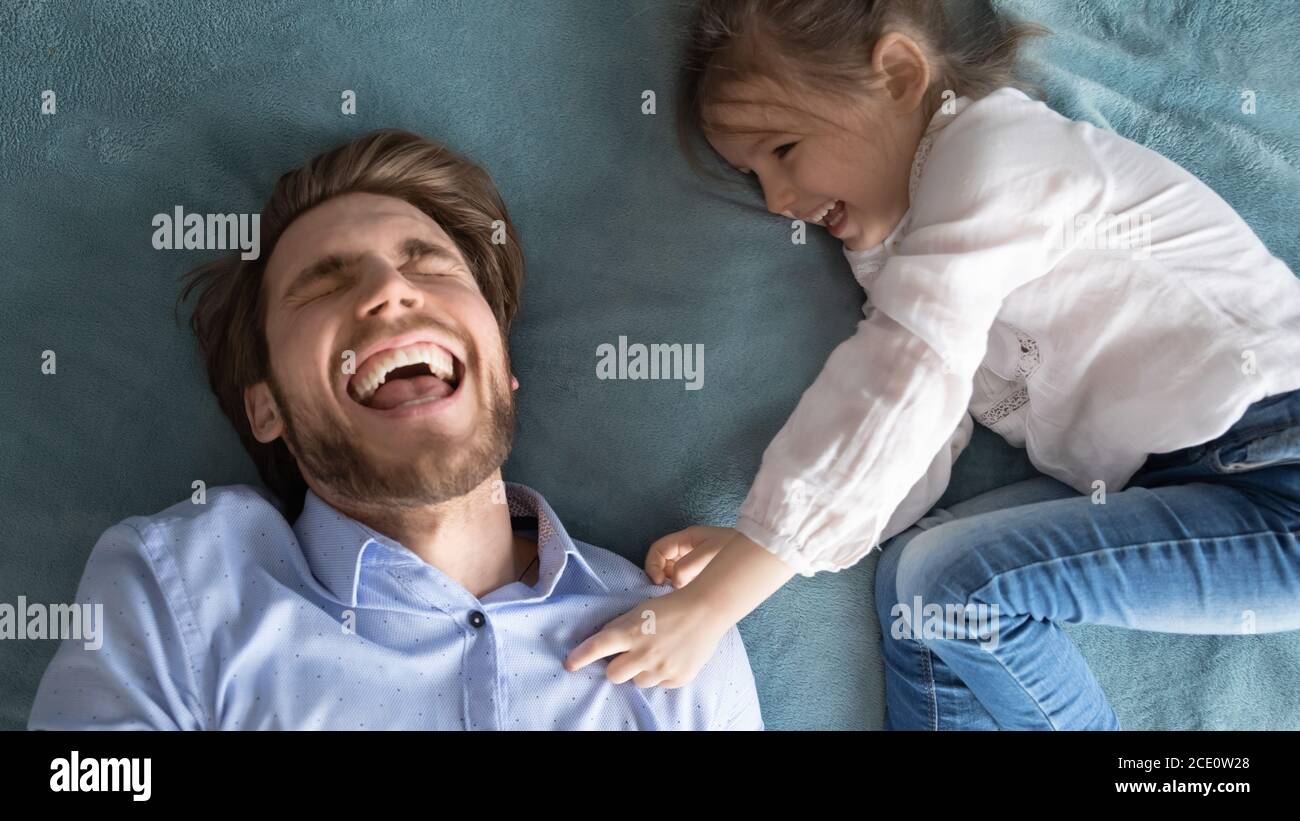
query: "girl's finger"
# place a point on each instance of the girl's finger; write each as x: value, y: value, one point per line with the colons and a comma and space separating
x: 656, y: 565
x: 690, y: 566
x: 607, y: 642
x: 667, y: 549
x: 662, y: 574
x: 624, y: 668
x: 646, y: 678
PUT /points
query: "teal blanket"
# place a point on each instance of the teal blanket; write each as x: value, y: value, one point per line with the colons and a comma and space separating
x: 203, y: 105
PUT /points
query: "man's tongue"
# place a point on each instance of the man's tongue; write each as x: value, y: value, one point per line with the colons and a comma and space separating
x: 396, y: 391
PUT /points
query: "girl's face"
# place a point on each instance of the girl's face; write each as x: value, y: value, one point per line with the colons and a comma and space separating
x: 842, y: 165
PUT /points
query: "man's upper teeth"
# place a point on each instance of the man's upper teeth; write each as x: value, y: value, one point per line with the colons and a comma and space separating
x: 376, y: 371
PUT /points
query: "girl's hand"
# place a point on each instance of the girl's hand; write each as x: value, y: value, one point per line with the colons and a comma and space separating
x: 679, y: 557
x: 665, y: 641
x: 662, y: 642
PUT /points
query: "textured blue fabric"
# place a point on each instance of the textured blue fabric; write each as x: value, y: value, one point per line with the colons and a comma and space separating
x: 219, y: 616
x: 205, y: 104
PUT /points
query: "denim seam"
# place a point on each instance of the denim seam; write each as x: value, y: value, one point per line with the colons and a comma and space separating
x: 931, y: 689
x: 1014, y: 678
x: 1062, y: 559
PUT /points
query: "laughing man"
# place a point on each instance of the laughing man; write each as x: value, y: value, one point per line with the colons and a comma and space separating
x: 364, y: 363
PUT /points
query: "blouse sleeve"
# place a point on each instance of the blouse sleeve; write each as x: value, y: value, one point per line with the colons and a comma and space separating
x: 927, y: 490
x: 1000, y: 184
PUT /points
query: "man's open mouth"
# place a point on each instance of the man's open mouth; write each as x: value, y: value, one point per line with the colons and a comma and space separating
x: 413, y: 374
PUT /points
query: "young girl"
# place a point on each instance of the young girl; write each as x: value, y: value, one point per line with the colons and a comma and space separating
x: 1080, y: 295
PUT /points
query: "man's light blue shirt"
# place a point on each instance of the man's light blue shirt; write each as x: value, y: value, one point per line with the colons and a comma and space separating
x: 221, y: 616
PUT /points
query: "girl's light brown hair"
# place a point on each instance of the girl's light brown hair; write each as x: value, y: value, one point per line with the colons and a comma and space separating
x: 229, y: 318
x: 824, y: 47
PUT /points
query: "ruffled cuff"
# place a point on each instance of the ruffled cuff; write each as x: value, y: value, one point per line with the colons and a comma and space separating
x: 783, y: 548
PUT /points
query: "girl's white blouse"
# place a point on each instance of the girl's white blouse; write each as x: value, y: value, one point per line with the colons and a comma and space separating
x: 1082, y: 296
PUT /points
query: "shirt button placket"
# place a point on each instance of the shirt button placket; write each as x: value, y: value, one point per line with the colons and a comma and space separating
x: 480, y: 674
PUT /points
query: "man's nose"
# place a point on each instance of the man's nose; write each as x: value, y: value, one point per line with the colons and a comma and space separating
x: 385, y: 289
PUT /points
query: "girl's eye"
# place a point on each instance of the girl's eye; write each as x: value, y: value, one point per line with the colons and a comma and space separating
x: 782, y: 150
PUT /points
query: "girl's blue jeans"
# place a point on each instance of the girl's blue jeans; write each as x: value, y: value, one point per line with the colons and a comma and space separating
x: 1202, y: 540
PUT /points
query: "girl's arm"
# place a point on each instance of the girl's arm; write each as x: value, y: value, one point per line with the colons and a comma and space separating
x: 679, y: 557
x: 1000, y: 187
x: 741, y: 577
x: 665, y: 641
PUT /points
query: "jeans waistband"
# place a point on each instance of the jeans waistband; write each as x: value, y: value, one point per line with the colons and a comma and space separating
x: 1270, y: 414
x: 1268, y: 430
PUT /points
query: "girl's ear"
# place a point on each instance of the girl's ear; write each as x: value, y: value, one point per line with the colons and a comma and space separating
x: 901, y: 61
x: 514, y: 383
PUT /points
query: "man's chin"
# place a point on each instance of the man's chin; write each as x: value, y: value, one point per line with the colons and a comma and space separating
x: 394, y: 439
x: 373, y: 459
x: 430, y: 484
x: 411, y: 462
x: 419, y: 474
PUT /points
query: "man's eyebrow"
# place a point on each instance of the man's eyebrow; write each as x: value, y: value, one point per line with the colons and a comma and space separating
x: 410, y: 250
x: 415, y: 248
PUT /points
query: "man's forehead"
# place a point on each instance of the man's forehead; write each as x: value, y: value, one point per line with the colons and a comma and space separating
x: 360, y: 213
x: 350, y: 223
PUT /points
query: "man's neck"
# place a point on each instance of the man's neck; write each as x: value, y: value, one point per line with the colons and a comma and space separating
x: 468, y: 538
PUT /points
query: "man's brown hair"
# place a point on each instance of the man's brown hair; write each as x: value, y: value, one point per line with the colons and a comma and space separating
x: 229, y: 318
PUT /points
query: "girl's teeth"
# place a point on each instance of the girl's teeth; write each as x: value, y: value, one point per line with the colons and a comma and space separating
x: 818, y: 217
x: 838, y: 214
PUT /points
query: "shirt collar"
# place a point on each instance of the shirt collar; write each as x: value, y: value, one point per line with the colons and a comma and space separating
x: 947, y: 112
x: 335, y: 544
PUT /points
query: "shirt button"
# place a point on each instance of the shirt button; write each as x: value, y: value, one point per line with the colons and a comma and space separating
x: 477, y: 619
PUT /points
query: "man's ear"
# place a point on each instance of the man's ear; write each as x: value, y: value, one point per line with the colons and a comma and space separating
x: 263, y: 413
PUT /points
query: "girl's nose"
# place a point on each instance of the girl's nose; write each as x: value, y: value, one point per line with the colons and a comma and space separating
x: 779, y: 196
x: 781, y: 204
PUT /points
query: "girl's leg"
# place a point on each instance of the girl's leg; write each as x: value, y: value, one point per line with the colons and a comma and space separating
x: 921, y: 691
x: 1216, y: 555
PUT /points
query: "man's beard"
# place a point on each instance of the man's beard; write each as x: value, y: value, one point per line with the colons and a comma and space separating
x: 429, y: 472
